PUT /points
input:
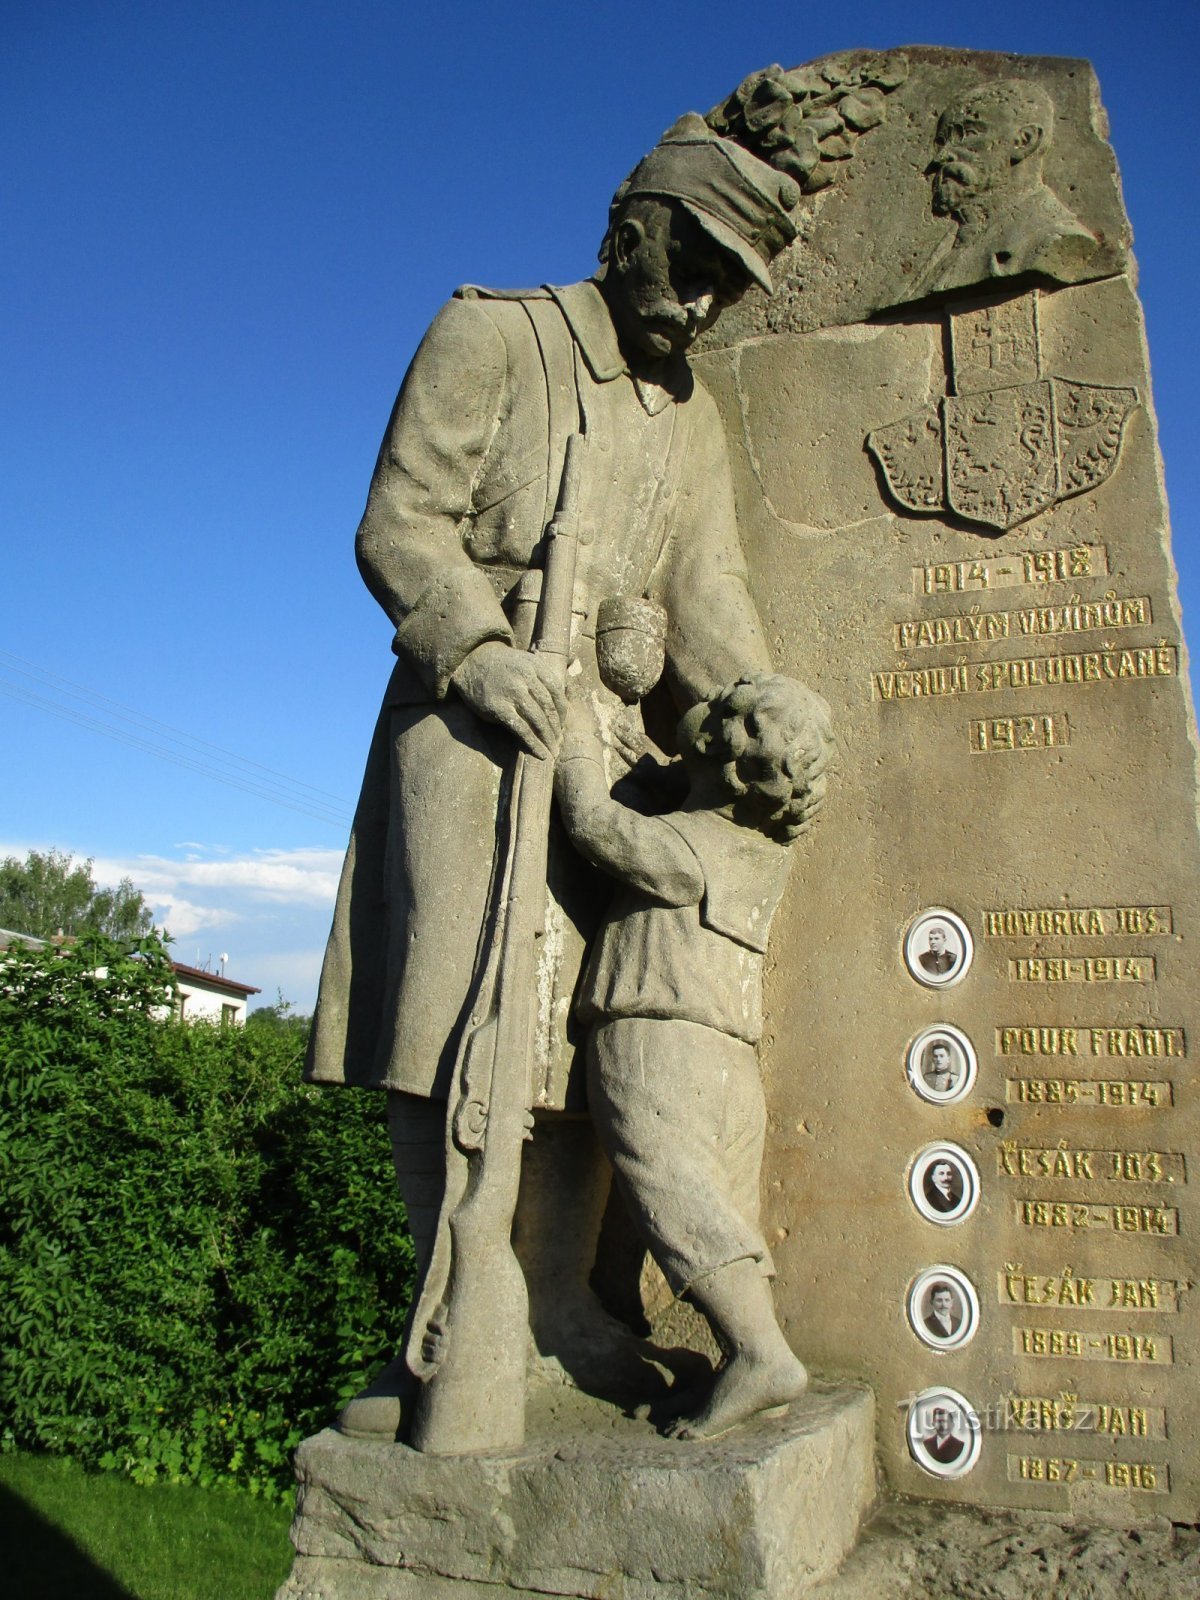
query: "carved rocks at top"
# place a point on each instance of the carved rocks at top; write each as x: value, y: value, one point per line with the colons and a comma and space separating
x: 1000, y: 453
x: 980, y: 169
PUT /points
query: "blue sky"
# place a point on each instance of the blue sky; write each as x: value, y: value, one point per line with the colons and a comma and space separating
x: 225, y: 228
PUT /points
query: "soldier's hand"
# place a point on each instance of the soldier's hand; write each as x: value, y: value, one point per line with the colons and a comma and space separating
x: 516, y: 689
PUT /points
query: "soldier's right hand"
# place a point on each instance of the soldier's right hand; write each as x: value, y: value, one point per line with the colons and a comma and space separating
x: 517, y: 690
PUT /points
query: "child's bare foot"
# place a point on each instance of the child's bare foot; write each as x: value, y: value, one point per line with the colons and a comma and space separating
x: 743, y: 1389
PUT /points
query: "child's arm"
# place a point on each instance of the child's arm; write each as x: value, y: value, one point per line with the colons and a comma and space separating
x: 640, y: 850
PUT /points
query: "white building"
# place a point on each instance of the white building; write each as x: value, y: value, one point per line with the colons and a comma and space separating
x: 201, y: 995
x: 210, y: 996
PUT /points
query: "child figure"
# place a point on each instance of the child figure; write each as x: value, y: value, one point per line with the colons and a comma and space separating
x: 673, y: 1000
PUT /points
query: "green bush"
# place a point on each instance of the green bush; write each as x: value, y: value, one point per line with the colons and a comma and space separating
x: 200, y: 1257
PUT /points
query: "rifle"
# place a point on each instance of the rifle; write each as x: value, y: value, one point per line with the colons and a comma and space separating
x: 471, y: 1327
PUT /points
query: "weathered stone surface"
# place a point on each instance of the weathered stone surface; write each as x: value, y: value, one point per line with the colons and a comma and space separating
x: 1016, y: 745
x: 595, y: 1505
x: 980, y: 999
x: 924, y: 1552
x: 874, y: 241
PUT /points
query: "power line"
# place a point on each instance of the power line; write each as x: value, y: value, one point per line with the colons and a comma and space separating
x: 156, y: 738
x: 78, y: 691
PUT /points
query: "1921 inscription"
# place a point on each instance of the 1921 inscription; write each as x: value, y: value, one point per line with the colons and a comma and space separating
x: 1042, y: 730
x: 1063, y: 565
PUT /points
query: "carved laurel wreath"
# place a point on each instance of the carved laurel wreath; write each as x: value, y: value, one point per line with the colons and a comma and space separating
x: 804, y: 122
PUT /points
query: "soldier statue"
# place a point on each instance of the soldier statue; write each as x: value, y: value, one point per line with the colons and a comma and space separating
x: 452, y: 545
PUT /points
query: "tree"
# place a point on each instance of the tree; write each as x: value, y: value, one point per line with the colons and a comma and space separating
x: 281, y: 1018
x: 50, y: 893
x: 201, y: 1257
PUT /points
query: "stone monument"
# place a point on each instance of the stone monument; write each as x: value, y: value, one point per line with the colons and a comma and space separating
x: 904, y: 281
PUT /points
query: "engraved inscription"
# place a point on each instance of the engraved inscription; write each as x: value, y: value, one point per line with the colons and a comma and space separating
x: 921, y: 683
x: 1092, y: 666
x: 1137, y: 1041
x: 1063, y: 565
x: 1070, y: 1344
x: 1145, y: 1095
x: 1037, y: 1041
x: 986, y: 627
x: 1087, y: 921
x: 1067, y: 1413
x: 1043, y: 730
x: 1094, y: 1166
x: 1016, y: 1287
x: 1103, y: 1041
x: 1027, y: 672
x: 1082, y: 969
x: 1077, y: 1215
x: 1152, y: 1477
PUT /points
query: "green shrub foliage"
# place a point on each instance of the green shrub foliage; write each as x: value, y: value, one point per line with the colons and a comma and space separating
x: 200, y: 1257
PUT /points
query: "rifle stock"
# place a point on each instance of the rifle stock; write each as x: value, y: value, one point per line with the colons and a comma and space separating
x: 470, y: 1332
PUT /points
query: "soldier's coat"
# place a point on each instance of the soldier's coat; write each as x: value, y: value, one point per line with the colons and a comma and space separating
x: 465, y: 481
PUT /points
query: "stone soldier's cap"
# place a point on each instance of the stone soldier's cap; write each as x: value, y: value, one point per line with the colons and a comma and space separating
x: 740, y: 201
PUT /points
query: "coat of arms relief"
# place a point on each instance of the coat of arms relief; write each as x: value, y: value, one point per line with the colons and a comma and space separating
x: 1009, y: 441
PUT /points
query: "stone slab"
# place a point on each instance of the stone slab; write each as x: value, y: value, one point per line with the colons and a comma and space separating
x: 1002, y: 648
x: 594, y: 1505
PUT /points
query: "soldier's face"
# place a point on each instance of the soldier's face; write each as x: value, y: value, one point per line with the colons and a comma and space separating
x: 668, y: 280
x: 937, y: 941
x: 941, y: 1058
x: 974, y: 154
x: 942, y: 1303
x: 941, y: 1423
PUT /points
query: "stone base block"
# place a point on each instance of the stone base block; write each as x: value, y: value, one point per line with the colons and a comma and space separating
x: 595, y: 1505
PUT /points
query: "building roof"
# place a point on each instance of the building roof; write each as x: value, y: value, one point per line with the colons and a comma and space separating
x: 212, y: 980
x: 193, y: 975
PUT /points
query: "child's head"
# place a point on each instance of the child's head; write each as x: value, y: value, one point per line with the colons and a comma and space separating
x: 771, y: 740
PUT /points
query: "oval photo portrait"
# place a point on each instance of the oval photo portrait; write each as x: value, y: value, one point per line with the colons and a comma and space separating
x: 944, y: 1435
x: 938, y: 948
x: 941, y: 1065
x: 943, y: 1183
x: 943, y: 1308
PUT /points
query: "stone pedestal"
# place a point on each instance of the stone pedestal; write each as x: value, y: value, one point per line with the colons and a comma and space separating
x: 594, y: 1505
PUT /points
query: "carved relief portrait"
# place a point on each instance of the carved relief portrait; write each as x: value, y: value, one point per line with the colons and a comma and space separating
x: 986, y: 177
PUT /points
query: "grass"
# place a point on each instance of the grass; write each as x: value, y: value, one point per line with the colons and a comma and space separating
x: 68, y: 1534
